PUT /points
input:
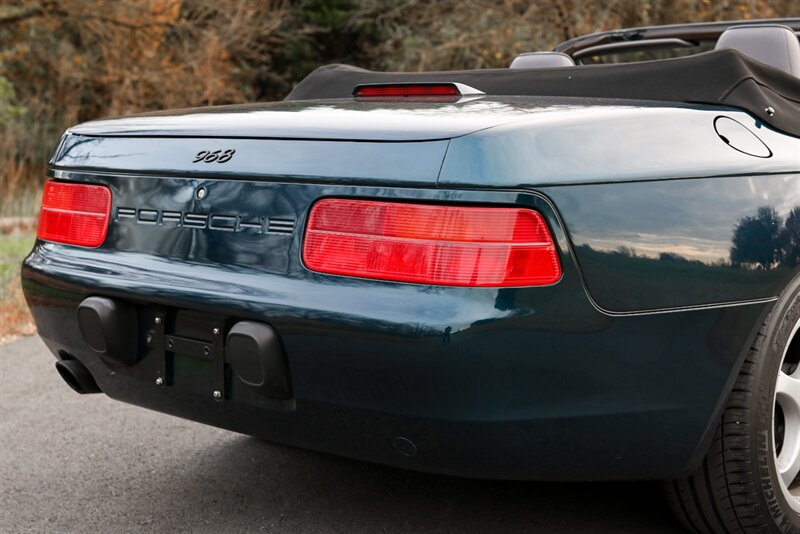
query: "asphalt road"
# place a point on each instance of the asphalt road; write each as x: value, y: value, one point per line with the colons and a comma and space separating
x: 72, y: 463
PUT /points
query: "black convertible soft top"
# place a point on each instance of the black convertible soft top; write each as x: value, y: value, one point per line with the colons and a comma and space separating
x: 722, y: 77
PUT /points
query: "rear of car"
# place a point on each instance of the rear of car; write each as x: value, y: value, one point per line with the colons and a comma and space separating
x: 516, y: 287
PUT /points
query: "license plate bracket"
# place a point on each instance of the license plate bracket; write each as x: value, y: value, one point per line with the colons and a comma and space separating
x: 187, y: 333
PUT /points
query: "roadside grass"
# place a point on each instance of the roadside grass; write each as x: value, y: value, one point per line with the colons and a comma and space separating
x: 18, y: 201
x: 13, y: 249
x: 18, y: 214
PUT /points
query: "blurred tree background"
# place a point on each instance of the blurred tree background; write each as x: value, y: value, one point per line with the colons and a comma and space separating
x: 67, y: 61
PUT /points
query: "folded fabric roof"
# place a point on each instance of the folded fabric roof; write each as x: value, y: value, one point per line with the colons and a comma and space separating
x: 722, y: 77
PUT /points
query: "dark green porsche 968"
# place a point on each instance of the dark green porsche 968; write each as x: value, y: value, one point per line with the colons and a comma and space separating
x: 583, y: 267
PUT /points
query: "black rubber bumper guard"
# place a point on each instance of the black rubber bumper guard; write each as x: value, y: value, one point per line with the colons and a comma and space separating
x: 252, y: 350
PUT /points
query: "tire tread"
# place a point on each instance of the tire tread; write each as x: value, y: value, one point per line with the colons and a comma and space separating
x: 718, y: 497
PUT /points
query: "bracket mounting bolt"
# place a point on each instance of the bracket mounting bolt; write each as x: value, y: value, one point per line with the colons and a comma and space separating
x: 158, y: 320
x: 217, y: 395
x: 159, y: 381
x: 215, y: 331
x: 149, y: 339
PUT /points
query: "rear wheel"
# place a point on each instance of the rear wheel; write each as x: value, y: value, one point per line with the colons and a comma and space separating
x: 750, y: 479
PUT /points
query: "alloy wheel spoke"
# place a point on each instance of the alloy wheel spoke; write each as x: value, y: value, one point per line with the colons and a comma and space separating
x: 791, y: 472
x: 787, y: 391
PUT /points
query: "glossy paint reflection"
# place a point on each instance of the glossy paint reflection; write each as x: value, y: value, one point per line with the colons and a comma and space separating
x: 267, y: 269
x: 653, y: 245
x: 338, y: 119
x: 576, y: 146
x: 526, y: 376
x: 417, y: 162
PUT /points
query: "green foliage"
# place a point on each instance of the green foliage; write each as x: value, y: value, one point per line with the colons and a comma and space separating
x: 759, y: 239
x: 317, y: 33
x: 8, y: 110
x: 13, y: 249
x: 791, y: 238
x: 328, y: 14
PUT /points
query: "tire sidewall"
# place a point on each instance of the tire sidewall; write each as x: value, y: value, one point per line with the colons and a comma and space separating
x: 782, y: 320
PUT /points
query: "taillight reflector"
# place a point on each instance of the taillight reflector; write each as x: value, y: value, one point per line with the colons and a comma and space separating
x: 407, y: 90
x: 431, y: 244
x: 76, y: 214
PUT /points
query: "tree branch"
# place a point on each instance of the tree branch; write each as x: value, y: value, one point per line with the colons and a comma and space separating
x: 52, y: 9
x: 15, y: 16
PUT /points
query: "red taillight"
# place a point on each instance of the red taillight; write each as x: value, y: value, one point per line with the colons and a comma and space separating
x: 429, y: 244
x: 408, y: 90
x: 76, y: 214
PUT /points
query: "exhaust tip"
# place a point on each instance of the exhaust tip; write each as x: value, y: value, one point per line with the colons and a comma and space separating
x: 77, y: 376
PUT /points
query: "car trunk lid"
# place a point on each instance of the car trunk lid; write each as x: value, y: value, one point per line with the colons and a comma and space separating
x: 340, y: 140
x: 344, y: 119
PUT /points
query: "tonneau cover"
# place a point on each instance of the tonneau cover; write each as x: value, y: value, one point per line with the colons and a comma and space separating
x: 721, y: 77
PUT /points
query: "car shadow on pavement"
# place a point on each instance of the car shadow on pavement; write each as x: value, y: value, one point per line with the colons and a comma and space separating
x: 248, y: 484
x: 71, y: 463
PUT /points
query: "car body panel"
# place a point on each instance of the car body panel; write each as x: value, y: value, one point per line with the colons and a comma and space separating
x: 520, y: 143
x: 668, y: 244
x: 531, y: 382
x: 321, y: 119
x: 410, y: 162
x: 567, y: 381
x: 611, y: 145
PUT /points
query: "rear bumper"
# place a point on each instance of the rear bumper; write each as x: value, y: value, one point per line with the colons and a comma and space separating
x: 508, y: 384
